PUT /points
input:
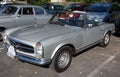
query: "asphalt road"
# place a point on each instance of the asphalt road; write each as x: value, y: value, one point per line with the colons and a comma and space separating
x: 95, y: 62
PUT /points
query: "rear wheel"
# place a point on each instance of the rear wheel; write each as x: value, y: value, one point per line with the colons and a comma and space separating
x: 105, y: 40
x: 62, y: 59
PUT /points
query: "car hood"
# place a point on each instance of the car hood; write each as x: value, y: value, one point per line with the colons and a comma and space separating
x: 38, y: 33
x: 97, y: 15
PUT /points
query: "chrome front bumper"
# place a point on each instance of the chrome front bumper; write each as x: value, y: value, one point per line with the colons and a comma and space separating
x: 27, y: 58
x: 33, y: 60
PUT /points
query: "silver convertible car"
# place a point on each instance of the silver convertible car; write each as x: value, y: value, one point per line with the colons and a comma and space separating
x: 20, y: 15
x: 54, y: 43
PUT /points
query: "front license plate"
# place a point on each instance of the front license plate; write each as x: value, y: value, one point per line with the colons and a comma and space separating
x: 11, y: 52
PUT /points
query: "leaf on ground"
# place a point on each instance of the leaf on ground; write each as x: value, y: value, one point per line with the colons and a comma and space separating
x: 36, y: 72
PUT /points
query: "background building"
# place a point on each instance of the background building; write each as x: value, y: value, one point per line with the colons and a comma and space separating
x: 13, y: 1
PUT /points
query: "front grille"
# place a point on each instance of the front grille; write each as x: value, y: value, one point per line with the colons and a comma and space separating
x: 21, y: 46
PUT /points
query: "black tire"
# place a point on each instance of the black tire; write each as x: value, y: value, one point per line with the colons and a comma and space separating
x: 105, y: 40
x: 1, y: 38
x: 62, y: 59
x: 1, y: 30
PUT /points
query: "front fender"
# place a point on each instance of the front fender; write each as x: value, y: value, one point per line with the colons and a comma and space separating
x: 109, y: 27
x: 58, y: 47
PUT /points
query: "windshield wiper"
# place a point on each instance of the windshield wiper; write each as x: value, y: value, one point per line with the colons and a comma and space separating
x: 59, y: 22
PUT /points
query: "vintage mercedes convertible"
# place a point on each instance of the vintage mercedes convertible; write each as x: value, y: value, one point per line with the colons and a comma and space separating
x: 54, y: 43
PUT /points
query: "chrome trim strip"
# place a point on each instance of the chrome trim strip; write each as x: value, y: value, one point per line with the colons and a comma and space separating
x: 33, y: 60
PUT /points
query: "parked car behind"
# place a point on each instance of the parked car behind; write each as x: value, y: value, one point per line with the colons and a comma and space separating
x: 117, y: 26
x: 52, y: 8
x: 106, y: 11
x: 2, y: 6
x: 75, y: 6
x: 21, y: 15
x: 66, y: 34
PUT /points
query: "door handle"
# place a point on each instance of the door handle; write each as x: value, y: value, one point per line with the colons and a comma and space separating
x: 101, y: 29
x: 35, y: 18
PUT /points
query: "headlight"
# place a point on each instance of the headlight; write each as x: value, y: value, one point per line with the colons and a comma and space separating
x: 39, y: 50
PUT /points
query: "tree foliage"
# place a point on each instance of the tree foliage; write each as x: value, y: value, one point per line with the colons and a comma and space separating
x: 93, y: 1
x: 39, y: 2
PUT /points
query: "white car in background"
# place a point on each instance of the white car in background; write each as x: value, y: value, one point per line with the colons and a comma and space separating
x: 20, y: 15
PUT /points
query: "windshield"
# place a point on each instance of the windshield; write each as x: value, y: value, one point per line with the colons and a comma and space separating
x: 68, y: 18
x: 68, y: 7
x: 98, y: 8
x: 9, y: 10
x: 58, y: 7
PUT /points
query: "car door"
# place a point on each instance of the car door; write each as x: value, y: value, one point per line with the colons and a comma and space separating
x: 93, y: 33
x: 25, y: 16
x: 41, y: 16
x: 7, y: 16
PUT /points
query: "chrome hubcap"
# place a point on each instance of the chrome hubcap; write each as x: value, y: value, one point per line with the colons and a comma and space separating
x: 63, y: 59
x: 107, y: 39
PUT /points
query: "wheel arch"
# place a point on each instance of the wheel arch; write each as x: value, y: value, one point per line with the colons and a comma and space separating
x: 62, y: 45
x: 108, y: 31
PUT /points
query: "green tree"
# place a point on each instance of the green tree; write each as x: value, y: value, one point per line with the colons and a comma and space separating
x: 37, y: 2
x: 93, y: 1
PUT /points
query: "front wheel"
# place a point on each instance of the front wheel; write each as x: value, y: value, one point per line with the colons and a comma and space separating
x: 62, y: 59
x: 105, y: 40
x: 1, y: 30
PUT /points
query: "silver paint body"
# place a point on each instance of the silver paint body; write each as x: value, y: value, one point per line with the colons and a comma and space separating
x: 54, y: 36
x: 16, y: 20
